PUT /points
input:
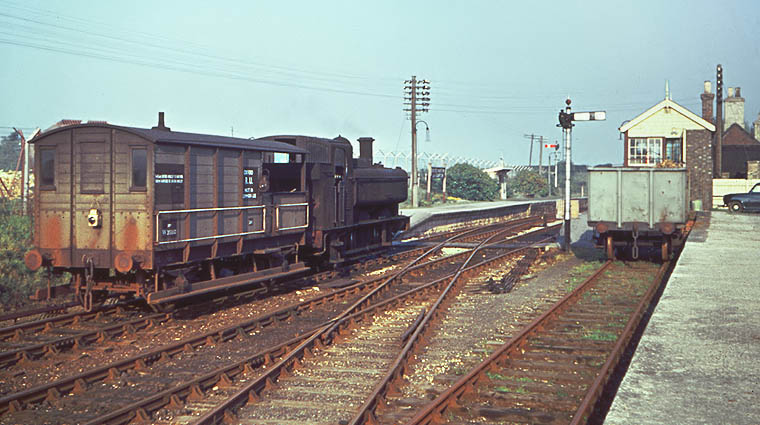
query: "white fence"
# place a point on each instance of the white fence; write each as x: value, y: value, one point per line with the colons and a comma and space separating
x: 725, y: 186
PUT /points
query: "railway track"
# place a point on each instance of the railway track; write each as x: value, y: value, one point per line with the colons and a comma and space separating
x: 35, y: 313
x: 50, y: 336
x: 258, y: 402
x: 123, y: 371
x: 554, y: 369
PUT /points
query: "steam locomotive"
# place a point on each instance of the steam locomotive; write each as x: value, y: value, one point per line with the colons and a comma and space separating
x: 165, y: 215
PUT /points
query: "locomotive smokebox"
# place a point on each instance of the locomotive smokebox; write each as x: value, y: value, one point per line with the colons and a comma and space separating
x: 365, y: 151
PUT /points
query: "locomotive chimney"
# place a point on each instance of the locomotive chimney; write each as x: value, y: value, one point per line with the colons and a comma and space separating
x: 161, y: 125
x: 365, y: 150
x: 707, y: 103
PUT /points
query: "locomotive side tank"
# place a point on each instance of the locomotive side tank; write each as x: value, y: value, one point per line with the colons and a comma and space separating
x: 631, y: 207
x: 354, y: 201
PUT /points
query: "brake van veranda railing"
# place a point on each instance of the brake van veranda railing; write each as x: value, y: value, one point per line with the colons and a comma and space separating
x: 280, y: 212
x: 239, y: 210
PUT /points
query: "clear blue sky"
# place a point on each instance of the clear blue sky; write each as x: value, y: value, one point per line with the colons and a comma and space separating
x: 498, y: 70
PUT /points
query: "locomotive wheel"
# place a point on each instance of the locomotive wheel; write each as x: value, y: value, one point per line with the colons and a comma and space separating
x: 609, y: 248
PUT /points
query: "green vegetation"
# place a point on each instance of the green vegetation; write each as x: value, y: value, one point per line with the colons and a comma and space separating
x: 527, y: 183
x: 469, y: 182
x: 16, y: 281
x: 503, y: 389
x: 500, y: 377
x: 580, y: 273
x: 599, y: 335
x: 10, y: 147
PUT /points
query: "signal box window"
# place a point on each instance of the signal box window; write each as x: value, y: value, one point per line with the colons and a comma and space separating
x: 673, y: 150
x: 139, y: 169
x: 47, y: 169
x: 645, y: 151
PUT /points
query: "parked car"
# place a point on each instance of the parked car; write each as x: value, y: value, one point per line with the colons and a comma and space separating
x: 738, y: 202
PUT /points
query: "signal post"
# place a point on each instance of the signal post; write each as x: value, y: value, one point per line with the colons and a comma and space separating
x: 566, y: 119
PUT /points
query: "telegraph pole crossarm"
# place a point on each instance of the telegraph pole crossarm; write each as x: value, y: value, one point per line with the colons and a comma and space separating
x: 416, y: 94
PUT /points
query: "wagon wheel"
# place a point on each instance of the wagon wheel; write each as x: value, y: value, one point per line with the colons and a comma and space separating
x: 609, y: 248
x: 665, y: 249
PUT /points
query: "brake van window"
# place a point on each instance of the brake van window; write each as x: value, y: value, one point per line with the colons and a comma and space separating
x: 47, y: 169
x: 139, y: 169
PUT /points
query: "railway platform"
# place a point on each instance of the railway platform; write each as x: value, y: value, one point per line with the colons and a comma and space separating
x: 423, y: 219
x: 697, y: 361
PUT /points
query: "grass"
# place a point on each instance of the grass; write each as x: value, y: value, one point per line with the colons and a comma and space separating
x: 500, y: 377
x: 503, y: 389
x: 599, y: 335
x: 580, y: 273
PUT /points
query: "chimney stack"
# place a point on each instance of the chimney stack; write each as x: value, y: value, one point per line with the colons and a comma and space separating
x: 161, y: 125
x: 757, y: 128
x: 365, y: 150
x: 707, y: 103
x: 734, y: 105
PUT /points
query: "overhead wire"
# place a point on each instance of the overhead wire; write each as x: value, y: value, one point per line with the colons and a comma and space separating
x: 40, y: 35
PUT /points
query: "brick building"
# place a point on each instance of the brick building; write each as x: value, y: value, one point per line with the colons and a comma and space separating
x: 668, y: 131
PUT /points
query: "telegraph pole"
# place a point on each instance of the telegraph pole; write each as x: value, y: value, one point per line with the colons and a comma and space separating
x: 416, y: 93
x: 540, y: 154
x: 718, y: 123
x: 566, y: 119
x: 24, y: 171
x: 530, y: 157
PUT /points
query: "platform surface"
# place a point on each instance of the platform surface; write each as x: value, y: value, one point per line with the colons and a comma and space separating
x: 698, y: 361
x: 417, y: 215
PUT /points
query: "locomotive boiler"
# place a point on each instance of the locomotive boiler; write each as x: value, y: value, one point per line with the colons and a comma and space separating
x: 167, y: 215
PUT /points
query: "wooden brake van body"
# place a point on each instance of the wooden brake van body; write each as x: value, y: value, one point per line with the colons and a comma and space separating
x: 156, y: 213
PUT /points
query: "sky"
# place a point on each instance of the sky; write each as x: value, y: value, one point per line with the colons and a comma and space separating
x: 498, y: 70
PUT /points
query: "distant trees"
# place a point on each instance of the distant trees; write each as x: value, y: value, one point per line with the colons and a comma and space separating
x: 10, y: 147
x: 527, y: 183
x: 468, y: 182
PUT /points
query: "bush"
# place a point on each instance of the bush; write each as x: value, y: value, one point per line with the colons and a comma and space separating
x: 528, y: 183
x: 16, y: 281
x: 468, y: 182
